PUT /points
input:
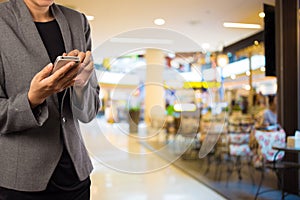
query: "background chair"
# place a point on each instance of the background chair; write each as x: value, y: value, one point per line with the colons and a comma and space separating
x: 239, y: 152
x: 268, y: 158
x: 187, y: 134
x: 213, y: 138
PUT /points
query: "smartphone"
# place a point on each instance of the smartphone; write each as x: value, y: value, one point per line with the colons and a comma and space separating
x: 63, y: 60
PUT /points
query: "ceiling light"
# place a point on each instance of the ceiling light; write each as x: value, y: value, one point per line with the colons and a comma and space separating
x: 233, y: 76
x: 159, y: 21
x: 90, y: 17
x: 248, y: 73
x: 241, y: 25
x: 141, y: 40
x: 205, y: 47
x: 262, y: 15
x: 222, y: 60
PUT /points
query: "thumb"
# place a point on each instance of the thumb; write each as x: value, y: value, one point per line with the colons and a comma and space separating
x: 46, y: 71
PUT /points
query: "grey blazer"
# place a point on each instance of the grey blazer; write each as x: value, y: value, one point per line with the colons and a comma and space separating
x: 30, y: 144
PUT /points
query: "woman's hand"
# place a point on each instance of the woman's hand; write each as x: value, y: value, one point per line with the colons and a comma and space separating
x: 86, y: 69
x: 44, y: 84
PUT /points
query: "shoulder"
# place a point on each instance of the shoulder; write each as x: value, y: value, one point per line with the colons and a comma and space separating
x: 70, y: 13
x: 267, y: 111
x: 4, y: 5
x: 5, y: 10
x: 67, y: 10
x: 75, y: 18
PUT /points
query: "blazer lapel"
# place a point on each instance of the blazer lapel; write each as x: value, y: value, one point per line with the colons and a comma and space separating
x: 66, y: 33
x: 29, y: 32
x: 64, y: 27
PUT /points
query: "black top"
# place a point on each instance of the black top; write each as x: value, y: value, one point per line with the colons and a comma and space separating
x: 52, y: 38
x: 64, y: 175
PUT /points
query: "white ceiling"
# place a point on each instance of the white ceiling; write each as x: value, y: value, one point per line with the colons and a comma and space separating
x: 201, y: 21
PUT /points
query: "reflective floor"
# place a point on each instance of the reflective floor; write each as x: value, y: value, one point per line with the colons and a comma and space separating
x: 125, y: 169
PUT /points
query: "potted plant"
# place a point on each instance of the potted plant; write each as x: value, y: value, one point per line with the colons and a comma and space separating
x: 133, y: 119
x: 134, y: 108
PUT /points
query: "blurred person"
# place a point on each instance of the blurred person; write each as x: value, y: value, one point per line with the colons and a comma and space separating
x: 259, y: 105
x: 269, y: 116
x: 244, y: 104
x: 42, y: 153
x: 259, y: 100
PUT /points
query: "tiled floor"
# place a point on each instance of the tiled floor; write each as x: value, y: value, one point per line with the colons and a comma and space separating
x: 125, y: 169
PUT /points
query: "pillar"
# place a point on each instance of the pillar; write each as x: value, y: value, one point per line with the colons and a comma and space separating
x: 154, y: 88
x: 288, y: 75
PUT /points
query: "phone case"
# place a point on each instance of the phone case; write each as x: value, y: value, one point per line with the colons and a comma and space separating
x: 63, y: 60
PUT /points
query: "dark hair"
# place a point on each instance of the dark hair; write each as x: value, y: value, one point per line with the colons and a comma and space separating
x: 271, y: 99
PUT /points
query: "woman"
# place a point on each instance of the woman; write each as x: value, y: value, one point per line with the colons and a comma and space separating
x: 268, y: 118
x: 42, y: 154
x: 270, y: 114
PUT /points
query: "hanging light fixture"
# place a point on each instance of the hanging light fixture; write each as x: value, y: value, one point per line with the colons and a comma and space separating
x: 222, y: 60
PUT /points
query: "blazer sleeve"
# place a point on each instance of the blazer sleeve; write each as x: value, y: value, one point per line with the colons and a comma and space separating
x: 16, y: 114
x: 87, y: 108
